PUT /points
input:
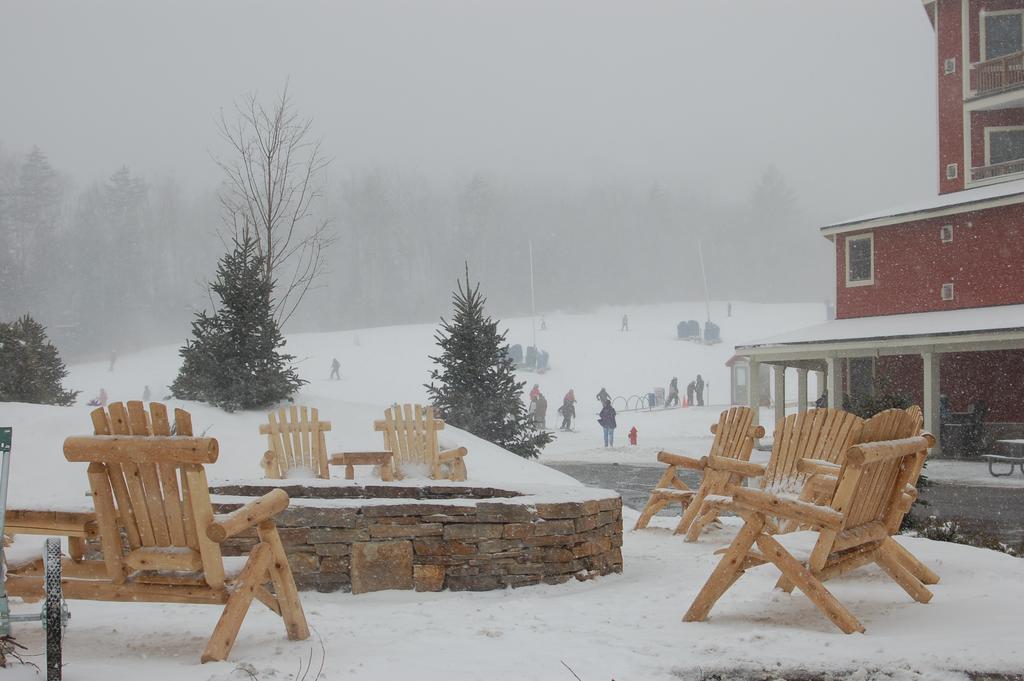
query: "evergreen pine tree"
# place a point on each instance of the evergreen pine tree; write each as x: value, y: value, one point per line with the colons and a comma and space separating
x: 233, y: 360
x: 476, y: 387
x: 30, y: 367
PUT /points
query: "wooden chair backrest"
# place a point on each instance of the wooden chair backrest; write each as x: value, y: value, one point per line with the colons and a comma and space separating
x: 734, y: 434
x: 869, y: 493
x: 410, y: 433
x: 151, y: 486
x: 296, y: 437
x: 891, y: 424
x: 823, y: 434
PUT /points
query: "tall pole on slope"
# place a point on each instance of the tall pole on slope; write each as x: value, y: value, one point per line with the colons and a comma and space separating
x: 533, y: 301
x: 704, y: 275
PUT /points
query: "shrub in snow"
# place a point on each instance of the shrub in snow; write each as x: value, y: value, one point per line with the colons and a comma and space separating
x: 476, y: 387
x: 30, y: 367
x: 233, y: 360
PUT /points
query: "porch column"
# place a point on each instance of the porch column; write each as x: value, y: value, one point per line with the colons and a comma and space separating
x: 801, y: 390
x: 780, y: 392
x: 819, y: 383
x: 754, y: 390
x: 834, y: 382
x: 932, y: 415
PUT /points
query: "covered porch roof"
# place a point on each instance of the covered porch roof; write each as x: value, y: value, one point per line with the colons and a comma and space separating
x: 966, y: 330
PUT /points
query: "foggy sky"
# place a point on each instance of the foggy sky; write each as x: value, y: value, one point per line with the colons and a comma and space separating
x: 839, y: 95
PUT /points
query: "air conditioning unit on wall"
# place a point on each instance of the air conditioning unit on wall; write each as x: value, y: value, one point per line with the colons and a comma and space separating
x: 949, y: 66
x: 946, y: 234
x: 947, y: 291
x: 952, y: 171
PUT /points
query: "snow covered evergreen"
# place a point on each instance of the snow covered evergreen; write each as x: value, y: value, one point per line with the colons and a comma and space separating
x: 476, y: 387
x: 31, y: 370
x: 233, y: 361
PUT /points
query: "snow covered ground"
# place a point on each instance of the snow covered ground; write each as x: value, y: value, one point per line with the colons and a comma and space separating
x: 619, y: 627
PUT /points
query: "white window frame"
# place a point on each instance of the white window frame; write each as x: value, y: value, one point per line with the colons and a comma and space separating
x: 870, y: 238
x: 949, y: 66
x: 989, y: 13
x: 947, y: 287
x: 952, y: 171
x: 946, y: 234
x: 988, y: 138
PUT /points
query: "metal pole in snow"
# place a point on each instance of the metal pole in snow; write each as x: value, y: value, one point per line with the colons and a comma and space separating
x: 704, y: 276
x: 533, y: 302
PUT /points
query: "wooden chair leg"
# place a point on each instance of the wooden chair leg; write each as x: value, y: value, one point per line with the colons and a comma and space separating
x: 284, y: 583
x: 729, y: 569
x: 809, y: 584
x: 701, y: 518
x: 889, y: 560
x: 224, y: 634
x: 76, y: 548
x: 654, y: 504
x: 908, y: 560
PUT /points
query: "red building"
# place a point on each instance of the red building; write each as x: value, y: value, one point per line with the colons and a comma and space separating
x: 930, y: 296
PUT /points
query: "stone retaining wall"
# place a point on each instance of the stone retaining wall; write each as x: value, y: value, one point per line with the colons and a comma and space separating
x: 468, y: 546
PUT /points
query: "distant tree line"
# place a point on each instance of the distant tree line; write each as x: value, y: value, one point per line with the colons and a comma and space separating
x: 124, y: 261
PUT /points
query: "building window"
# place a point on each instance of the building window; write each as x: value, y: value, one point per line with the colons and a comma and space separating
x: 1004, y: 144
x: 946, y: 234
x: 860, y: 260
x: 1002, y: 33
x: 947, y: 292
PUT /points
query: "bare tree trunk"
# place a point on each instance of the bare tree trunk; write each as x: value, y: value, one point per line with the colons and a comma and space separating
x: 270, y: 187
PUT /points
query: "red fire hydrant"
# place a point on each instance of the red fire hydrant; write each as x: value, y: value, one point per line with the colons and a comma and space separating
x: 632, y: 436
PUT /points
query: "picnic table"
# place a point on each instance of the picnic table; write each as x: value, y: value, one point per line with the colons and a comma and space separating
x: 999, y: 459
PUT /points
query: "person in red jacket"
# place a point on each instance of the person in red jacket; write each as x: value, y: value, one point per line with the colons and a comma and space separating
x: 568, y: 409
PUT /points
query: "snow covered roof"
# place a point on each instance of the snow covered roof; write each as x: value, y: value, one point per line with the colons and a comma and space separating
x: 1002, y: 194
x: 940, y: 323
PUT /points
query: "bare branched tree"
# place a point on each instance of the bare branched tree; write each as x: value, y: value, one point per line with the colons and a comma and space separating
x: 270, y: 189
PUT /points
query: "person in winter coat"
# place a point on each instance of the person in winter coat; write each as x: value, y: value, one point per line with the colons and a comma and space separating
x: 698, y: 387
x: 607, y: 420
x: 691, y: 387
x: 568, y: 409
x: 625, y: 323
x: 673, y: 393
x: 603, y: 396
x: 534, y: 391
x: 540, y: 413
x: 335, y: 366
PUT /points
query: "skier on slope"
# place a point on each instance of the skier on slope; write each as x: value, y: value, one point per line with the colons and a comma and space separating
x: 568, y: 409
x: 673, y: 393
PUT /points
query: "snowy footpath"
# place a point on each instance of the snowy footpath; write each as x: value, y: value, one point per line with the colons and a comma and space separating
x: 626, y: 627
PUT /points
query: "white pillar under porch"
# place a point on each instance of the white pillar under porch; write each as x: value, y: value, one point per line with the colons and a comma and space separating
x: 779, y: 373
x: 932, y: 413
x: 754, y: 390
x: 834, y: 382
x: 801, y: 390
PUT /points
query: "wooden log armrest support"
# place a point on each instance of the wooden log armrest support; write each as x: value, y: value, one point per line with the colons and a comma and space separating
x: 745, y: 469
x: 791, y: 509
x: 683, y: 461
x: 452, y: 454
x: 250, y: 515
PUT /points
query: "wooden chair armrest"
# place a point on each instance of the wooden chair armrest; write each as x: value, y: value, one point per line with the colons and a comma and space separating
x: 250, y: 515
x: 745, y: 469
x: 818, y: 466
x: 359, y: 458
x: 452, y: 454
x: 683, y: 461
x: 791, y: 509
x: 819, y: 485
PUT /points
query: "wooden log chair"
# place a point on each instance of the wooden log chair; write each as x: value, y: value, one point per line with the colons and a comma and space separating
x: 159, y: 538
x: 296, y: 440
x: 823, y: 435
x: 410, y: 434
x: 734, y: 439
x: 852, y: 531
x: 891, y: 424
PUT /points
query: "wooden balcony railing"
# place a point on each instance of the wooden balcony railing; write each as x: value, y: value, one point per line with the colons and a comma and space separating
x: 997, y: 169
x: 999, y: 74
